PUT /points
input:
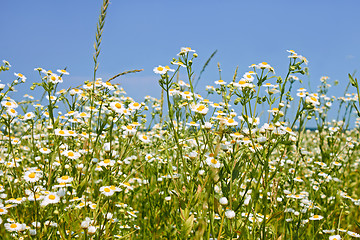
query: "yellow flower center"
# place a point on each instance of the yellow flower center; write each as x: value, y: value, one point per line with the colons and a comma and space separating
x: 160, y: 69
x: 213, y: 161
x: 107, y: 161
x: 70, y: 154
x: 65, y: 177
x: 107, y: 189
x: 32, y: 175
x: 117, y: 105
x: 13, y: 225
x: 200, y: 108
x: 52, y: 197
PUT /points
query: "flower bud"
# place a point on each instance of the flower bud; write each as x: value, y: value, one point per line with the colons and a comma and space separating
x: 223, y: 201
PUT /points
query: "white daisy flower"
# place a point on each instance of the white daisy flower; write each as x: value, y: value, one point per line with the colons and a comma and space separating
x: 220, y: 82
x: 15, y: 227
x: 106, y: 162
x: 135, y: 106
x: 230, y: 214
x: 107, y: 191
x: 71, y: 154
x: 50, y: 198
x: 316, y: 217
x: 29, y: 115
x: 212, y: 162
x: 62, y: 71
x: 12, y: 112
x: 45, y: 150
x: 9, y: 104
x: 199, y: 108
x: 144, y: 138
x: 64, y: 179
x: 32, y: 176
x: 117, y: 106
x: 160, y: 70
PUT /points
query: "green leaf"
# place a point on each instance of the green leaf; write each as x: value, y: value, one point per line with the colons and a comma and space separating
x: 275, y: 215
x: 81, y: 188
x: 236, y: 171
x: 188, y: 225
x: 357, y: 223
x: 225, y: 189
x: 357, y: 110
x: 352, y: 81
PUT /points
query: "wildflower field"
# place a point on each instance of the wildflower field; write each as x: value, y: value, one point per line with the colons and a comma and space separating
x: 89, y: 162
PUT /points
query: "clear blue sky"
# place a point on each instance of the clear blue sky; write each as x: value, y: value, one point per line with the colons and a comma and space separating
x: 143, y: 34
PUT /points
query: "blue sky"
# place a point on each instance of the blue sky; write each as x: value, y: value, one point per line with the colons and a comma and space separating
x: 144, y: 34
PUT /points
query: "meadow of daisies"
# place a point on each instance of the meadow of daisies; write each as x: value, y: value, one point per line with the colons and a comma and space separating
x: 89, y: 162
